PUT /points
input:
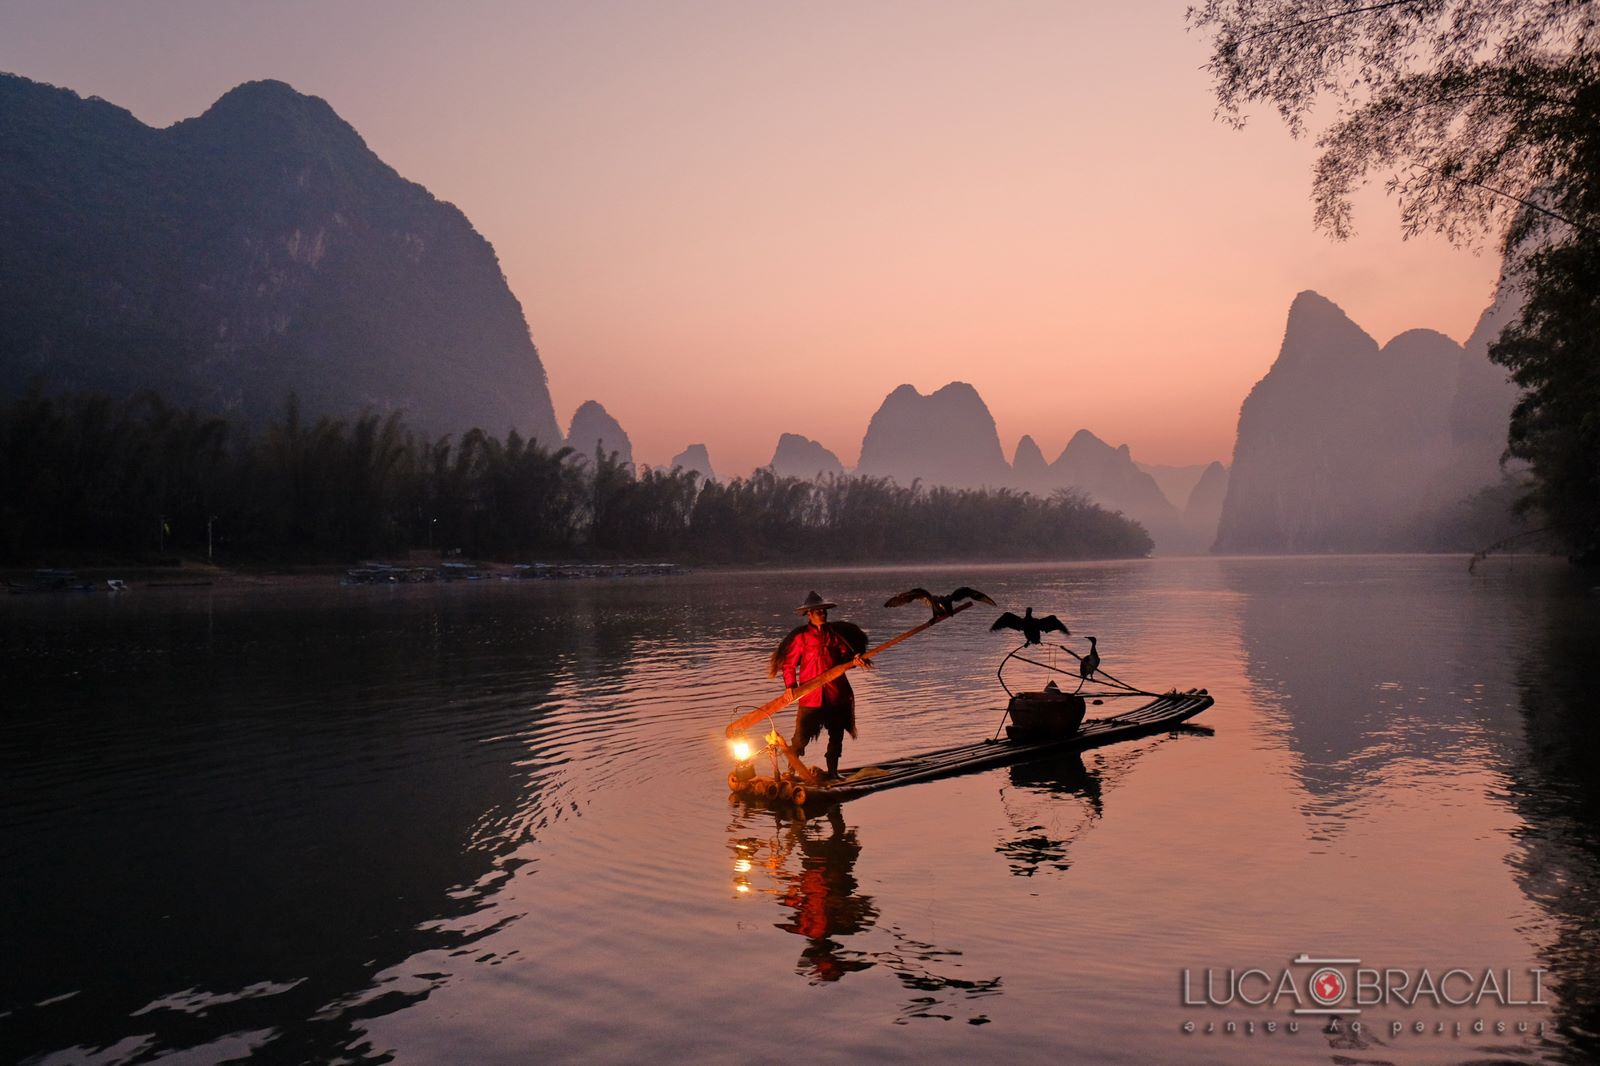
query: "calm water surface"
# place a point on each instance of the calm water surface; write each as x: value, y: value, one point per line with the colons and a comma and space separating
x: 487, y: 823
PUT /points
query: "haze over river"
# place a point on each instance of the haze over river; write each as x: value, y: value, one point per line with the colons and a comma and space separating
x: 489, y: 823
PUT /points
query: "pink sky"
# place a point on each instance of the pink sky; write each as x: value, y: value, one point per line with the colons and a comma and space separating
x: 731, y: 220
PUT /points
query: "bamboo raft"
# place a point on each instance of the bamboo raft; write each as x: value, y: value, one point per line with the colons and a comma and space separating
x: 1161, y: 714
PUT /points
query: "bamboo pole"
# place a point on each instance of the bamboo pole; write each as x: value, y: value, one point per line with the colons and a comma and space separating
x: 773, y: 706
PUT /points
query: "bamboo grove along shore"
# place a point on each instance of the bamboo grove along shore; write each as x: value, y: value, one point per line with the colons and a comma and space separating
x: 89, y: 477
x: 178, y: 574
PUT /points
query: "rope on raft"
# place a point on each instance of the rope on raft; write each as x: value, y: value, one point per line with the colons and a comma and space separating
x: 1124, y: 688
x: 1120, y: 688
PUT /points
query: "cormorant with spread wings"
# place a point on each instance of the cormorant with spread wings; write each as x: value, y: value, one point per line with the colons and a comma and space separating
x: 943, y: 606
x: 1032, y: 628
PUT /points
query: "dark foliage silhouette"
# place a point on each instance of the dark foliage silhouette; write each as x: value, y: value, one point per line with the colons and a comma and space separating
x: 87, y: 477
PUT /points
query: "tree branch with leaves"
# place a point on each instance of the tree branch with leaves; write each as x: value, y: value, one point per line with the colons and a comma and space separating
x: 1483, y: 118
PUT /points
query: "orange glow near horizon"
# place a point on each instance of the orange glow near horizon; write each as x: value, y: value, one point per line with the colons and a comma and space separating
x: 728, y: 221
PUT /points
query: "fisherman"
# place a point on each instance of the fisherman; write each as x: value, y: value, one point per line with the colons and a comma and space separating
x: 813, y: 649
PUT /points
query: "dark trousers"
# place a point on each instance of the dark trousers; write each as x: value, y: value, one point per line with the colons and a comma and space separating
x: 812, y: 721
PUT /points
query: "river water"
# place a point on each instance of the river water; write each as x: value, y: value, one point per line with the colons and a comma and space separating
x: 488, y: 823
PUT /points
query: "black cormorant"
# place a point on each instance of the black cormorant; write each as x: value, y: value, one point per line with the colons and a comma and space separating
x: 943, y: 606
x: 1089, y: 663
x: 1032, y: 628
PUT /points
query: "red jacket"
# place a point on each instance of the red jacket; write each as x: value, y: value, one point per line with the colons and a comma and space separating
x: 812, y: 651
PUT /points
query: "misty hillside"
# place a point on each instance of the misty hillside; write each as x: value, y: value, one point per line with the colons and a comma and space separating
x: 1176, y: 482
x: 593, y: 427
x: 1202, y: 512
x: 1029, y: 471
x: 797, y: 456
x: 695, y: 459
x: 230, y: 259
x: 949, y: 438
x: 1345, y: 446
x: 1112, y: 479
x: 946, y: 438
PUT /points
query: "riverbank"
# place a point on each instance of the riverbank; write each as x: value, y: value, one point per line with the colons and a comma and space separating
x: 193, y: 574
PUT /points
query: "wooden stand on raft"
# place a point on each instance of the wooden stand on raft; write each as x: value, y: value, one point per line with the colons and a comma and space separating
x: 806, y: 775
x: 801, y: 770
x: 790, y: 789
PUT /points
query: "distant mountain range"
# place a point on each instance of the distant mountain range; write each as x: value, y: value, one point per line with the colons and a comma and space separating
x: 1342, y: 446
x: 262, y: 249
x: 230, y: 259
x: 949, y: 438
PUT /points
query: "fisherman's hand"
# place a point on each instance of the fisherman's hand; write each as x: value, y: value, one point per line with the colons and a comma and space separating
x: 864, y: 663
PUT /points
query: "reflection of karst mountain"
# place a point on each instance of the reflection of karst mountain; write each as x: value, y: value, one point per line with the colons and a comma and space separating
x: 230, y: 259
x: 1344, y: 446
x: 1369, y: 670
x: 1557, y: 792
x: 1372, y: 675
x: 383, y: 802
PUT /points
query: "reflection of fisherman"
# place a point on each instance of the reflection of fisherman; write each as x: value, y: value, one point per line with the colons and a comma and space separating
x: 808, y: 651
x: 825, y: 902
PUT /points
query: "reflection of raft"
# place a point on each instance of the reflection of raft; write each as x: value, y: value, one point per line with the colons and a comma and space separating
x: 1160, y: 714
